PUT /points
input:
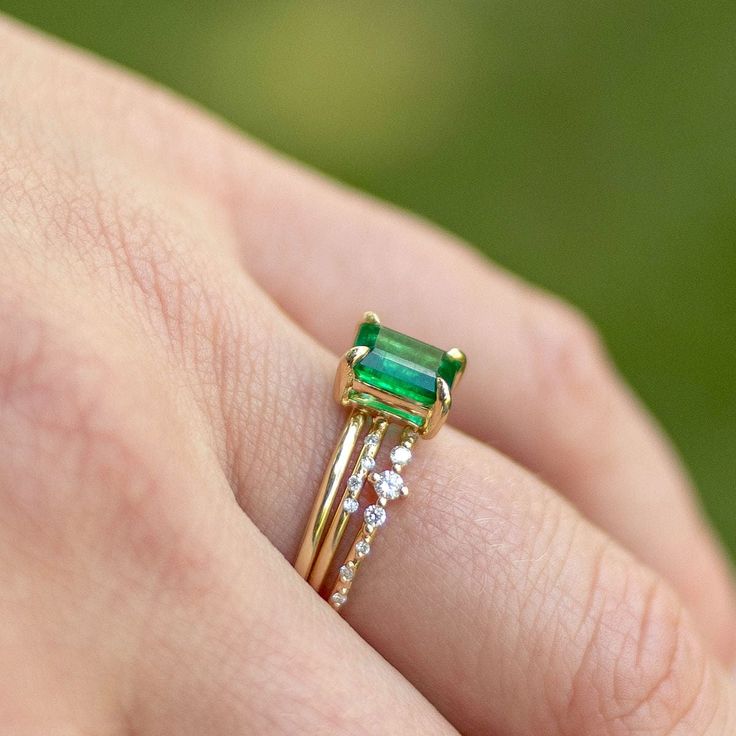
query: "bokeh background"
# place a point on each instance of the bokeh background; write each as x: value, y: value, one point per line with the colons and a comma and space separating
x: 589, y: 146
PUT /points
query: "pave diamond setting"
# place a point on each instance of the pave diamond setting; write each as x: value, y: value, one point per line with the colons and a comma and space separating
x: 388, y: 485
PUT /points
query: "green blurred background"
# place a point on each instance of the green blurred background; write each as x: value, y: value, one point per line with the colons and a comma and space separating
x: 590, y: 146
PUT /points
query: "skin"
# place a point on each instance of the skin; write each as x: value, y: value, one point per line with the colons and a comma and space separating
x: 163, y: 280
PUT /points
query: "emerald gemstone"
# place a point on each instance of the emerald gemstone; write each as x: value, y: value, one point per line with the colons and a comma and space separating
x: 401, y: 365
x: 371, y: 402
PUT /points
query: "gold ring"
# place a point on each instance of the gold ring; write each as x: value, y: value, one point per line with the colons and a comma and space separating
x: 385, y: 379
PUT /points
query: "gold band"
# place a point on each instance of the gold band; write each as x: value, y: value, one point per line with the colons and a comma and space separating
x: 331, y: 481
x: 342, y: 516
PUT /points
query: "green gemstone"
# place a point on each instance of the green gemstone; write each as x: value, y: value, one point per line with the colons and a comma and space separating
x: 401, y: 365
x: 364, y: 399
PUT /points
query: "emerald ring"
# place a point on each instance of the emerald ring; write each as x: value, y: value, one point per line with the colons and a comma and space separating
x: 393, y: 386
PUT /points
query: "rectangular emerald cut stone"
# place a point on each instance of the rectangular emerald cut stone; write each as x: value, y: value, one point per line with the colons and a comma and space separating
x: 401, y: 365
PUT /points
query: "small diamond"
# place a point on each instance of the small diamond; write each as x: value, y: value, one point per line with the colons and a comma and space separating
x: 346, y: 573
x: 355, y: 483
x: 375, y: 515
x: 362, y: 548
x: 338, y: 598
x: 368, y: 463
x: 350, y: 505
x: 371, y: 439
x: 389, y: 484
x: 400, y: 455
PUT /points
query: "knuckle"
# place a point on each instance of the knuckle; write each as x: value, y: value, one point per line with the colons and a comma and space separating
x: 69, y: 458
x: 99, y: 218
x: 640, y: 667
x: 567, y: 357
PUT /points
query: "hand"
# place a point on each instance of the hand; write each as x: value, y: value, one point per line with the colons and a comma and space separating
x: 169, y: 294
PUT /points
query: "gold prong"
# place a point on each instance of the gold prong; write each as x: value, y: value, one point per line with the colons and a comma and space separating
x: 439, y: 411
x: 460, y: 357
x: 344, y: 373
x: 396, y: 402
x: 371, y: 317
x: 331, y: 482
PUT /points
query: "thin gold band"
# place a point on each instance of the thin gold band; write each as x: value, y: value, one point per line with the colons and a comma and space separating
x: 341, y: 517
x: 331, y: 481
x: 363, y: 539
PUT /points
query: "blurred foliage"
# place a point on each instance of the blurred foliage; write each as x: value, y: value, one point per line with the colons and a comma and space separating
x: 589, y: 146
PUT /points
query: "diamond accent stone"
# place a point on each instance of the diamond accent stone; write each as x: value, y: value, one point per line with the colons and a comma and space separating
x: 338, y: 598
x: 375, y: 515
x: 355, y: 483
x: 346, y: 573
x: 372, y: 439
x: 368, y: 463
x: 350, y: 505
x: 389, y: 484
x: 362, y: 548
x: 400, y: 455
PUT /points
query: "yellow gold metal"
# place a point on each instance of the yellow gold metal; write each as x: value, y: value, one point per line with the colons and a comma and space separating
x: 344, y: 375
x: 328, y: 488
x: 341, y: 517
x: 439, y: 411
x: 399, y: 402
x: 371, y: 317
x: 460, y: 357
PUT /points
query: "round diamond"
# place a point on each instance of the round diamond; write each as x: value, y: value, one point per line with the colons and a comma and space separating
x: 346, y: 573
x: 362, y: 548
x: 372, y: 439
x: 350, y: 505
x: 338, y: 598
x: 355, y: 483
x: 375, y: 515
x: 389, y: 484
x: 368, y: 463
x: 400, y: 455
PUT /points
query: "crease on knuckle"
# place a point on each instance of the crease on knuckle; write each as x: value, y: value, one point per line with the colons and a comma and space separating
x: 567, y: 360
x: 639, y: 666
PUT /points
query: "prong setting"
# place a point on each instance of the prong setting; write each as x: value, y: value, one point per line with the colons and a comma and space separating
x: 344, y: 375
x: 438, y: 413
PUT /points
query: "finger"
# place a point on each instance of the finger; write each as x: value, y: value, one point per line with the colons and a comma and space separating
x: 512, y: 577
x: 137, y: 597
x: 270, y: 478
x: 538, y: 387
x: 504, y: 607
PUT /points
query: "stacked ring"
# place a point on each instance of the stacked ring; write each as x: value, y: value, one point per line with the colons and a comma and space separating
x: 385, y: 379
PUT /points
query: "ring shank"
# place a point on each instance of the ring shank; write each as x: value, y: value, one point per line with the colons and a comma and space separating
x: 331, y: 483
x: 341, y: 517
